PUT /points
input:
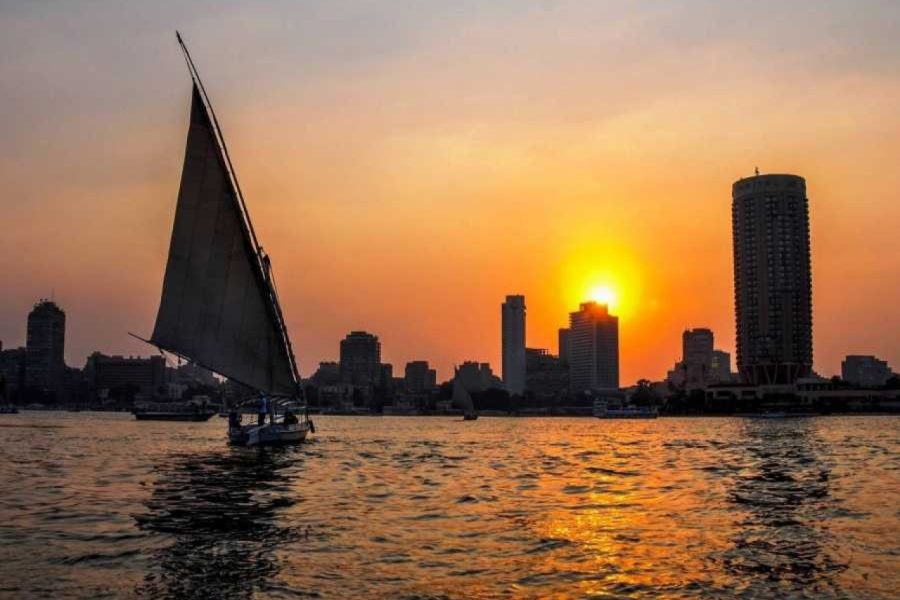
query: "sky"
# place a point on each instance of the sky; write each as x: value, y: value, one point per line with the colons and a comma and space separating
x: 408, y: 164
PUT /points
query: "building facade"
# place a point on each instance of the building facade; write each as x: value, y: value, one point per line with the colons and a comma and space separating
x: 132, y: 376
x: 12, y: 374
x: 772, y: 279
x: 45, y: 349
x: 563, y: 345
x: 593, y: 349
x: 477, y: 377
x: 419, y: 377
x: 360, y: 362
x: 547, y: 377
x: 865, y: 371
x: 513, y: 344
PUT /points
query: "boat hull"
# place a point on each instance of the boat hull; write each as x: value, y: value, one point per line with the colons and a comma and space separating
x: 172, y: 416
x: 269, y: 435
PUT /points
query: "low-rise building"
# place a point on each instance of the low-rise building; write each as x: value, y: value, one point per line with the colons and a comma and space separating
x: 865, y: 371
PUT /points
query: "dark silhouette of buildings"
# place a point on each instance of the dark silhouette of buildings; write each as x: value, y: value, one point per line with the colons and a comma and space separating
x: 360, y: 363
x: 45, y: 346
x: 772, y: 279
x: 513, y: 343
x: 865, y: 371
x: 419, y: 377
x: 701, y: 364
x: 126, y: 378
x: 477, y: 377
x: 12, y: 373
x: 564, y: 345
x: 593, y: 349
x: 547, y: 377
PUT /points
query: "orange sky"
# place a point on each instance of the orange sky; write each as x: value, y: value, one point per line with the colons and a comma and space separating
x: 408, y: 165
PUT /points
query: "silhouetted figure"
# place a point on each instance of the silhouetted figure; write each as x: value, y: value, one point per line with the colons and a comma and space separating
x: 262, y: 410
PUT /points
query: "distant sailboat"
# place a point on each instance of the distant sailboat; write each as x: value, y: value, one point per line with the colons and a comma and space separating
x: 462, y: 399
x: 219, y: 305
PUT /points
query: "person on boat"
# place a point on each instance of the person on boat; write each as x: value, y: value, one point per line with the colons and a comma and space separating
x: 262, y: 410
x: 234, y: 419
x: 290, y: 418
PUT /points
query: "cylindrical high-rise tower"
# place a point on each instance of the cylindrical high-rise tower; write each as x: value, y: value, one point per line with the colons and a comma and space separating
x: 772, y: 278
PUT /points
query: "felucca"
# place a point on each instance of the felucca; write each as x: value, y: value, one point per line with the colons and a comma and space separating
x: 219, y: 306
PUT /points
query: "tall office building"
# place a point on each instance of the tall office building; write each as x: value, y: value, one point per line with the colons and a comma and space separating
x: 360, y: 358
x: 419, y: 376
x: 772, y: 279
x: 697, y: 346
x: 44, y: 348
x: 563, y: 343
x: 513, y: 333
x: 593, y: 349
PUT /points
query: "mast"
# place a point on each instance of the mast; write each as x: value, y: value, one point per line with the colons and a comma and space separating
x: 262, y: 265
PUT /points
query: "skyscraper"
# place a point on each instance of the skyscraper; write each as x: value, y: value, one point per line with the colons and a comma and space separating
x: 44, y: 348
x: 360, y: 358
x: 772, y: 278
x: 513, y: 333
x: 563, y: 343
x: 593, y: 349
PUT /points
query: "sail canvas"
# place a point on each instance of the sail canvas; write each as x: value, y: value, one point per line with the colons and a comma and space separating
x: 216, y: 307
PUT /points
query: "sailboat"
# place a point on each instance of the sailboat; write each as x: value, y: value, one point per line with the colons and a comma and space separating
x: 462, y: 399
x: 219, y: 306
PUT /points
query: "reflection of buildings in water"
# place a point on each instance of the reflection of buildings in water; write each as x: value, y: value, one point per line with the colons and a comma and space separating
x: 784, y: 489
x: 221, y: 513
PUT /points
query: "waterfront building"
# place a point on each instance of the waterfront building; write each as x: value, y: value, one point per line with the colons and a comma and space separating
x: 328, y: 374
x: 865, y: 371
x: 12, y: 373
x: 131, y: 377
x: 546, y: 376
x: 360, y: 362
x: 513, y: 344
x: 563, y: 342
x: 419, y: 377
x: 701, y: 364
x: 45, y: 349
x: 772, y: 279
x: 593, y: 349
x: 477, y: 377
x: 697, y: 346
x: 720, y: 367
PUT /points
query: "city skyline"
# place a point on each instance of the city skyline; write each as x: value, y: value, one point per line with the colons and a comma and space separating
x: 420, y: 198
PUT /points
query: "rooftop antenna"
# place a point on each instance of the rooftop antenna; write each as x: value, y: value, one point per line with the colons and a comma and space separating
x: 756, y: 171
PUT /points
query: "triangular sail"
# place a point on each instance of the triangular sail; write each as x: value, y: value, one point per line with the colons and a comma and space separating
x: 218, y: 306
x: 461, y: 397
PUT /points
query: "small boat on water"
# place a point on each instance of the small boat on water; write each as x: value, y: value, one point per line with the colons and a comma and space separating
x: 779, y: 415
x: 462, y: 399
x: 219, y: 306
x: 172, y: 411
x: 603, y: 411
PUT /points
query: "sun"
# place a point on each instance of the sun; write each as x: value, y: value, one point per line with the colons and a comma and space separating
x: 604, y: 294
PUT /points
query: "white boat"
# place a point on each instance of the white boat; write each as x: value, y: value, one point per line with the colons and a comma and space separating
x: 219, y: 307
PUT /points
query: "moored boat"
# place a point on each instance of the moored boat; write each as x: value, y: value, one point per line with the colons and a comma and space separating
x: 603, y: 411
x: 172, y: 411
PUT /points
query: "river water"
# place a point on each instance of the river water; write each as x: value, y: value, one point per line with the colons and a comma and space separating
x: 98, y: 505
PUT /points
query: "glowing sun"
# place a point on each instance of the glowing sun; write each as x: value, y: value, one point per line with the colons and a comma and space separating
x: 603, y: 294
